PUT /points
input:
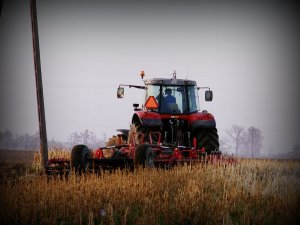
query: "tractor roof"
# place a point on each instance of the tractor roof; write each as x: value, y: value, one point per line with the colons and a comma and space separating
x: 164, y: 81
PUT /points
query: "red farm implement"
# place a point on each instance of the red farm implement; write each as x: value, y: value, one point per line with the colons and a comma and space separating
x: 169, y: 129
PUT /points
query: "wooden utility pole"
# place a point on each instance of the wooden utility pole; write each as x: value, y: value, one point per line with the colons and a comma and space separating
x: 39, y: 85
x: 1, y: 5
x: 252, y: 129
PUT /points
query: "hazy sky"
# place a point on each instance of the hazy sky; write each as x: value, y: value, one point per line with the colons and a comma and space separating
x: 247, y: 53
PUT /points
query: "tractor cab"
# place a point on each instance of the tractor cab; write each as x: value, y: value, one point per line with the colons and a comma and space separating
x: 173, y: 96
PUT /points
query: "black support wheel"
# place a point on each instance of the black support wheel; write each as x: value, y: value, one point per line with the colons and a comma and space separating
x: 144, y: 156
x: 81, y: 157
x: 207, y: 138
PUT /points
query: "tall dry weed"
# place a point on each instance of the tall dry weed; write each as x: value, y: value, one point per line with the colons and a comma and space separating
x: 252, y: 192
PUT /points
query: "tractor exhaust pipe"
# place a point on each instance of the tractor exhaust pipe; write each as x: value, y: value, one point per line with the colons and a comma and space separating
x: 189, y: 139
x: 165, y: 138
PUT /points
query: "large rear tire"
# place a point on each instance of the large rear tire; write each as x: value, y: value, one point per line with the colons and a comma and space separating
x: 144, y: 156
x: 208, y: 138
x: 81, y: 157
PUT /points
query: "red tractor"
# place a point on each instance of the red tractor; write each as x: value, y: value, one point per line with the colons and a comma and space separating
x: 168, y: 129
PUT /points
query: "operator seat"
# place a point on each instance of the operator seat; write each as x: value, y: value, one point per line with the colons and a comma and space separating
x: 173, y: 108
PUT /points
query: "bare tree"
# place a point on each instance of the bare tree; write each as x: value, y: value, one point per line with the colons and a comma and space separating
x: 85, y: 137
x: 254, y: 141
x: 296, y: 151
x: 7, y: 140
x: 75, y: 138
x: 237, y: 136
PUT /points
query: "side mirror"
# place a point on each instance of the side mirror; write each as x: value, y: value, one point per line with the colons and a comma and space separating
x: 208, y: 96
x: 120, y: 92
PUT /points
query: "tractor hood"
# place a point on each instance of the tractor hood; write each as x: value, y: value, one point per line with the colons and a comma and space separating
x: 195, y: 120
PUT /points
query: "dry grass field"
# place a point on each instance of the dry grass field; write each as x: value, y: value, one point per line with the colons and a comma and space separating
x: 251, y: 192
x: 14, y: 163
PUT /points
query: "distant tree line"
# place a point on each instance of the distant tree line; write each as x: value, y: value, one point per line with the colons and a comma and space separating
x: 8, y: 140
x: 26, y: 141
x: 249, y: 142
x: 86, y: 137
x: 243, y: 142
x: 238, y: 141
x: 294, y: 154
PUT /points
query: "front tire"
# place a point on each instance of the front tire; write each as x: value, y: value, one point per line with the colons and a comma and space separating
x: 81, y: 156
